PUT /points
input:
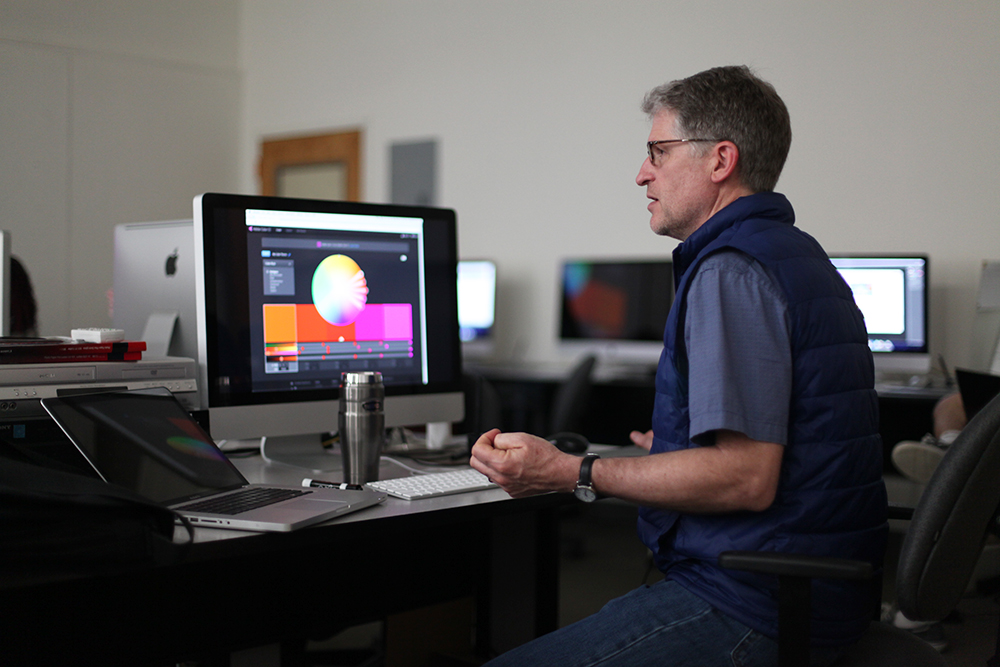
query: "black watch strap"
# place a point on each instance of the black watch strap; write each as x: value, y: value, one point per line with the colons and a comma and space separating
x: 585, y: 470
x: 585, y: 485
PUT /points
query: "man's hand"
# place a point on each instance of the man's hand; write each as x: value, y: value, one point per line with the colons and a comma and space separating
x: 640, y: 439
x: 524, y: 465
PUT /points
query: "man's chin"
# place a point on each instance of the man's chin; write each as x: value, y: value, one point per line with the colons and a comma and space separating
x: 659, y: 227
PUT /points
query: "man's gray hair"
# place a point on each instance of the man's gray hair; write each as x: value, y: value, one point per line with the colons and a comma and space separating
x: 731, y: 103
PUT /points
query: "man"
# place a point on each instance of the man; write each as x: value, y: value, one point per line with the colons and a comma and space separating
x: 918, y: 459
x: 765, y: 426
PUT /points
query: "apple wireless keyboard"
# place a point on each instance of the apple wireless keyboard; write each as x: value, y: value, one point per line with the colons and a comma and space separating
x: 417, y: 487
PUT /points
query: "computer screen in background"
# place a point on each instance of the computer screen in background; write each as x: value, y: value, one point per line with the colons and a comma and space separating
x: 616, y: 309
x: 4, y: 282
x: 477, y: 289
x: 293, y: 292
x: 154, y: 298
x: 984, y: 343
x: 893, y: 294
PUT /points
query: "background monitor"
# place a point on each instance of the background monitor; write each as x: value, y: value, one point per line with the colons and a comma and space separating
x: 293, y: 292
x: 154, y: 292
x: 477, y: 289
x: 616, y: 309
x: 4, y: 282
x: 984, y: 344
x: 893, y: 294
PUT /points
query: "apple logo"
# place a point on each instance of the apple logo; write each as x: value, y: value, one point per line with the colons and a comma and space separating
x: 171, y: 266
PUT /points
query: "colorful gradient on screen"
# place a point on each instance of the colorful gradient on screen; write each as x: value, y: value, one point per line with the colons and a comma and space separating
x: 339, y: 290
x: 193, y: 447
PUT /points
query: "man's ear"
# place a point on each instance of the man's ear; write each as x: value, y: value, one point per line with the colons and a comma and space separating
x: 727, y: 157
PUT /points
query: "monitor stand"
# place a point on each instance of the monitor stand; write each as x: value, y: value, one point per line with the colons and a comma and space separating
x: 301, y: 451
x: 158, y: 333
x: 438, y: 434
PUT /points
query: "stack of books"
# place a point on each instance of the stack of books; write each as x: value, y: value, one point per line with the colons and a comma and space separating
x: 49, y: 350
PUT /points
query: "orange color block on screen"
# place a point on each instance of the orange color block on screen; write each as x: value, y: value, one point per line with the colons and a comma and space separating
x: 279, y: 322
x: 313, y: 328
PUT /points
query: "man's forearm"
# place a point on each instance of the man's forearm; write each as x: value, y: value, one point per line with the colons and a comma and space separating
x: 734, y: 474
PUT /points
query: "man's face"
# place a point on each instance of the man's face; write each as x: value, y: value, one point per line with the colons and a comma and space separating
x: 678, y: 184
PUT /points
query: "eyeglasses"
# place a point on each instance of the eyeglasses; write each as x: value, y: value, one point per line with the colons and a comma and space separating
x: 653, y: 155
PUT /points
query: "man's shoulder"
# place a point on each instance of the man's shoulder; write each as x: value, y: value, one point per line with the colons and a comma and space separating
x: 732, y: 261
x: 730, y: 276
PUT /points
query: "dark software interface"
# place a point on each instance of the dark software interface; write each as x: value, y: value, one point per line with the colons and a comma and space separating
x: 331, y: 293
x: 297, y: 292
x: 892, y: 295
x: 615, y: 300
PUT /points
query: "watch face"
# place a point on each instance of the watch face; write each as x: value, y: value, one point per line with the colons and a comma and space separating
x: 585, y: 493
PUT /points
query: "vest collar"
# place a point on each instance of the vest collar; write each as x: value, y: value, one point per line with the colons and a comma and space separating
x: 770, y: 205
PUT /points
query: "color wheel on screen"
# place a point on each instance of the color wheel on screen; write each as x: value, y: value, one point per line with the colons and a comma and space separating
x: 339, y: 290
x: 193, y: 447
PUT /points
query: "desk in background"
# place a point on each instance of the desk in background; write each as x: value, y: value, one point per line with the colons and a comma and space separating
x: 237, y: 590
x: 622, y: 401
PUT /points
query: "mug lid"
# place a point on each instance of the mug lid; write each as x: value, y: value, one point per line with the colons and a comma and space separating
x: 360, y: 377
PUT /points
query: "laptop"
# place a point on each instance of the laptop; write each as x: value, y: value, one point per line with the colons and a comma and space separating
x: 146, y: 441
x: 977, y: 389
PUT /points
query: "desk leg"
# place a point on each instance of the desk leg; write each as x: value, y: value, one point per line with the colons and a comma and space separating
x: 521, y: 599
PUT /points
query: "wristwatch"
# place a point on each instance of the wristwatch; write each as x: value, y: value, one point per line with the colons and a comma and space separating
x: 584, y: 486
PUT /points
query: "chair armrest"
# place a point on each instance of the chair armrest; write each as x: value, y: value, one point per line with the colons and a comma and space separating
x: 796, y: 565
x: 900, y: 512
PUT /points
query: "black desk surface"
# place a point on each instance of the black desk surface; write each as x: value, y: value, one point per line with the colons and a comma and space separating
x: 237, y: 590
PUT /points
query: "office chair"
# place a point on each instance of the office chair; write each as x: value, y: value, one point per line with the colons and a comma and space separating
x: 570, y: 400
x: 958, y: 509
x: 483, y: 407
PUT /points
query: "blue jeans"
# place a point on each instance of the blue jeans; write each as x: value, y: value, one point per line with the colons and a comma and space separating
x: 659, y: 625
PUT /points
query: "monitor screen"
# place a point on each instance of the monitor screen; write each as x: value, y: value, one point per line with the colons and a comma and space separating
x: 892, y: 293
x: 154, y: 294
x: 5, y: 295
x: 616, y: 308
x: 477, y: 288
x: 293, y: 292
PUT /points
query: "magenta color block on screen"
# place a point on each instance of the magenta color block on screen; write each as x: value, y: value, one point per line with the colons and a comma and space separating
x: 385, y: 321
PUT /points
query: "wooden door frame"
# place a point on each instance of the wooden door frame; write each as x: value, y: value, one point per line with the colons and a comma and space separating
x: 344, y: 146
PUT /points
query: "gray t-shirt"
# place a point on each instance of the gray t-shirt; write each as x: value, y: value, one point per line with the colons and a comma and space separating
x: 739, y: 354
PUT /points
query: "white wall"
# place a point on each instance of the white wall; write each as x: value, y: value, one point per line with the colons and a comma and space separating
x: 111, y: 111
x: 535, y: 105
x: 121, y: 110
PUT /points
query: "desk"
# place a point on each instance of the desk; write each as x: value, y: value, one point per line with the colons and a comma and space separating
x: 620, y: 402
x: 238, y: 590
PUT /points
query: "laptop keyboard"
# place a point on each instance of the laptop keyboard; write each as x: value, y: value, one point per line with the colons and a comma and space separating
x: 243, y: 500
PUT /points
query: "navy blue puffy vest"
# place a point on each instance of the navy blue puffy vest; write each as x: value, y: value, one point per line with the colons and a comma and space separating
x: 831, y: 499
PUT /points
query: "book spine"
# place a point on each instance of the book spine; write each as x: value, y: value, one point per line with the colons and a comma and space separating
x: 57, y: 349
x: 69, y: 358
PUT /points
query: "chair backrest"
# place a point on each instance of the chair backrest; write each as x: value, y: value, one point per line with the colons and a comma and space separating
x: 957, y: 510
x: 483, y: 407
x: 570, y: 400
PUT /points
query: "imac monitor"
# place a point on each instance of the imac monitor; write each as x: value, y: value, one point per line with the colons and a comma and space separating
x: 293, y: 292
x: 984, y: 348
x: 477, y: 287
x: 616, y: 309
x: 892, y: 293
x: 154, y: 298
x: 5, y: 295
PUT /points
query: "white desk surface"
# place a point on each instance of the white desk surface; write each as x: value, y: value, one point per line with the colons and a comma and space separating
x: 256, y: 470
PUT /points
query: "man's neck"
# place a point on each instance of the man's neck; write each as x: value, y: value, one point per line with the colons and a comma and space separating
x: 726, y: 195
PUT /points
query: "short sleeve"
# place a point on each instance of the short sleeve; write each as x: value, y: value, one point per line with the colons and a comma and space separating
x: 738, y: 348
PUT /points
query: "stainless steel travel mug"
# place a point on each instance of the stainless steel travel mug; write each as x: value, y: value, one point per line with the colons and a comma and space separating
x: 362, y: 425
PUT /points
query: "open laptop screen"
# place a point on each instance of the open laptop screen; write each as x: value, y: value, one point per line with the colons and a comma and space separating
x: 146, y: 442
